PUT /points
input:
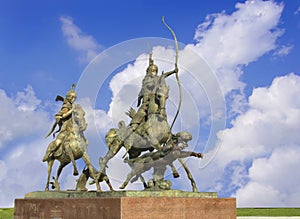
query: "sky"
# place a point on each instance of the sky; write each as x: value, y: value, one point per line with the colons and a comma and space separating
x: 238, y: 68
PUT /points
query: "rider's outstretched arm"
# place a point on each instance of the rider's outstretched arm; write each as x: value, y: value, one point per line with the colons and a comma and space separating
x: 167, y: 74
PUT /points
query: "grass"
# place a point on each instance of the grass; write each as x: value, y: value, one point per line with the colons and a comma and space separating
x: 6, y: 213
x: 268, y: 211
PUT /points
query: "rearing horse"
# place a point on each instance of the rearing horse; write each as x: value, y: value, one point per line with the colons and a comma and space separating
x: 74, y: 140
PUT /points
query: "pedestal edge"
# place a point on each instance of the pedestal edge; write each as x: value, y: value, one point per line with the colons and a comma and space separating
x: 128, y: 193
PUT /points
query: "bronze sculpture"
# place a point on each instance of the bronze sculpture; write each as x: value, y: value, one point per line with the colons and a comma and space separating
x: 70, y: 144
x: 148, y: 130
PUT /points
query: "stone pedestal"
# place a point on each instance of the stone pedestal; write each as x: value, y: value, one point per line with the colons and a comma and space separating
x: 125, y: 205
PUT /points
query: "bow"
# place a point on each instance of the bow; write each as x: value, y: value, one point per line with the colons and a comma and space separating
x: 177, y: 77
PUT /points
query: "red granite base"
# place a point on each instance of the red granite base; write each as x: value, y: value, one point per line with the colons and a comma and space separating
x: 126, y: 208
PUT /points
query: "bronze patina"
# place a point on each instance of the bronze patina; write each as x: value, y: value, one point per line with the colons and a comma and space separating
x: 147, y: 138
x: 70, y: 143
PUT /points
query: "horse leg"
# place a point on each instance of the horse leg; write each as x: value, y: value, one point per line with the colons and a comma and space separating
x: 125, y: 183
x: 113, y: 150
x: 136, y: 169
x: 174, y: 171
x: 60, y: 168
x: 82, y: 180
x: 141, y: 178
x: 143, y: 181
x: 86, y: 159
x: 50, y: 164
x: 70, y: 154
x: 108, y: 183
x: 189, y: 175
x: 158, y: 173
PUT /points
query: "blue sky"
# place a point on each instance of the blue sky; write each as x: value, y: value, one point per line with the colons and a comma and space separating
x: 251, y: 49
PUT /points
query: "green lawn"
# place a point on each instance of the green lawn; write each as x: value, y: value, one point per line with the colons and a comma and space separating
x: 6, y: 213
x: 268, y: 211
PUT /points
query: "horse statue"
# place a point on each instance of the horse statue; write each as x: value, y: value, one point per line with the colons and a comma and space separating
x: 149, y: 135
x: 73, y: 141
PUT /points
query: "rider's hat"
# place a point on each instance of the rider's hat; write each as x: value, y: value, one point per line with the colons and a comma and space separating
x: 71, y: 93
x: 151, y: 64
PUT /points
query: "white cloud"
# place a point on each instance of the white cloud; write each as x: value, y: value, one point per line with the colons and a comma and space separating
x: 24, y: 170
x: 266, y: 135
x: 272, y: 111
x: 259, y: 195
x: 96, y: 119
x: 83, y: 43
x: 27, y: 101
x: 229, y: 42
x: 20, y: 115
x: 283, y: 50
x: 276, y: 177
x: 23, y: 127
x: 3, y: 170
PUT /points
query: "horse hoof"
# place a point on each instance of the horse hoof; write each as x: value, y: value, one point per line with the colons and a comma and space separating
x: 122, y: 186
x: 75, y: 173
x: 82, y: 189
x: 175, y: 175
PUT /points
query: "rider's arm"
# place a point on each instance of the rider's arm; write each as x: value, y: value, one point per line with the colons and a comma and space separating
x: 68, y: 113
x: 167, y: 74
x: 64, y: 113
